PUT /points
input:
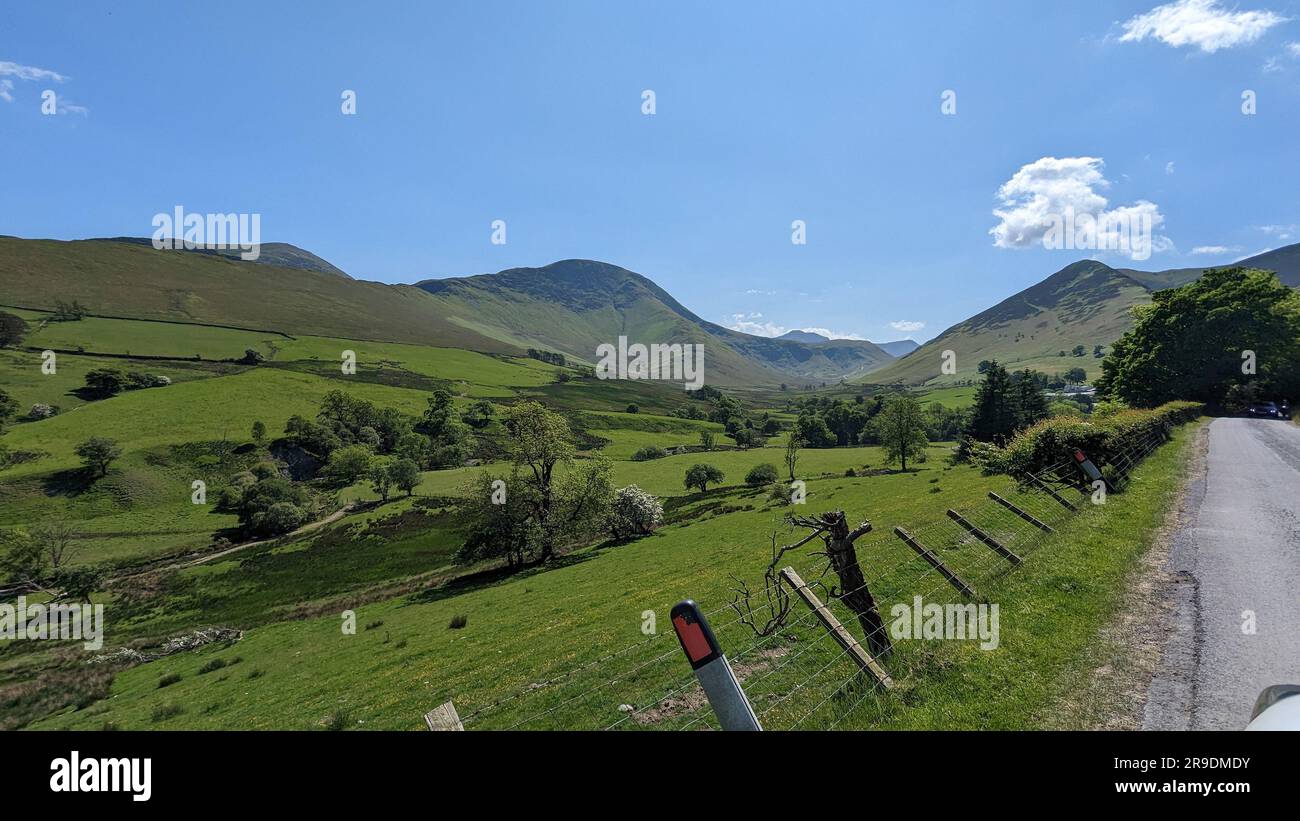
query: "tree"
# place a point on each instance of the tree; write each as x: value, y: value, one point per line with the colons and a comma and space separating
x: 706, y: 439
x: 1196, y: 341
x: 22, y: 561
x: 12, y: 329
x: 1029, y: 400
x: 760, y: 475
x: 813, y: 431
x: 479, y: 415
x: 539, y: 440
x: 8, y: 407
x: 105, y: 382
x: 1097, y: 351
x: 1078, y: 350
x: 747, y: 437
x: 405, y: 475
x: 792, y: 446
x: 348, y: 464
x: 439, y: 413
x: 273, y: 506
x: 1075, y: 376
x: 701, y: 476
x: 97, y: 453
x: 381, y: 481
x: 634, y: 408
x: 901, y: 428
x: 994, y: 415
x: 634, y: 513
x: 259, y: 432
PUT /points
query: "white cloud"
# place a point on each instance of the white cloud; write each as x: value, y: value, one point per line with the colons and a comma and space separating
x: 1214, y: 249
x: 755, y: 324
x: 1169, y: 167
x: 69, y: 108
x: 1049, y: 191
x: 1294, y: 49
x: 1282, y: 232
x: 6, y: 86
x: 906, y: 325
x: 1201, y: 23
x: 8, y: 69
x: 757, y: 292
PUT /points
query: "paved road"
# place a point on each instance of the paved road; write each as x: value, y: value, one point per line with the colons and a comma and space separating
x: 1237, y: 549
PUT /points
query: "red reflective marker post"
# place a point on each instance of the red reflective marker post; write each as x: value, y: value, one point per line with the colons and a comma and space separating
x: 711, y: 669
x: 1088, y: 468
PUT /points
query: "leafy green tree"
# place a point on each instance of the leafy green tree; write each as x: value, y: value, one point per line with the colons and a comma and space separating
x: 105, y: 382
x: 706, y: 439
x: 1075, y: 376
x: 348, y: 464
x: 1078, y: 350
x: 381, y: 480
x: 539, y: 440
x: 901, y: 428
x: 441, y: 412
x: 274, y: 506
x: 405, y: 475
x: 792, y: 446
x: 12, y: 329
x: 813, y: 431
x: 760, y: 475
x: 479, y: 415
x: 700, y: 476
x: 1196, y: 341
x: 746, y: 437
x: 259, y: 432
x: 98, y: 453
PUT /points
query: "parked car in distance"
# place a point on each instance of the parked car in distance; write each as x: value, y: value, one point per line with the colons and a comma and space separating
x: 1267, y: 410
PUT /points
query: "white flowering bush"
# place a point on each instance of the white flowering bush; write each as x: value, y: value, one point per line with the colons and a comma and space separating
x: 634, y: 513
x: 42, y: 411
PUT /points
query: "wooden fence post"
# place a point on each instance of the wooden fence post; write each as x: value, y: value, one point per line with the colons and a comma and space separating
x: 922, y: 551
x: 842, y: 636
x: 1022, y: 514
x: 997, y: 546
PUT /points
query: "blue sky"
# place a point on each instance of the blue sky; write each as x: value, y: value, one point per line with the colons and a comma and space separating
x: 766, y: 113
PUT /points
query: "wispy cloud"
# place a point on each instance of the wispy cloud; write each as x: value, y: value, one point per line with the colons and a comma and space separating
x: 1169, y: 167
x: 1215, y: 250
x: 8, y: 69
x: 6, y: 86
x: 756, y: 324
x: 1200, y: 23
x: 1282, y: 232
x: 906, y: 325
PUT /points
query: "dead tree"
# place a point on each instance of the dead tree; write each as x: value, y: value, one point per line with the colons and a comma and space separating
x: 835, y: 534
x: 833, y: 527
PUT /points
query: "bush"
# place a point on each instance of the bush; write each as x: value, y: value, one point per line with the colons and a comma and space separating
x: 42, y: 411
x: 1103, y: 439
x: 760, y: 475
x: 649, y: 452
x: 281, y: 517
x: 168, y: 680
x: 458, y: 622
x: 780, y: 493
x: 634, y: 513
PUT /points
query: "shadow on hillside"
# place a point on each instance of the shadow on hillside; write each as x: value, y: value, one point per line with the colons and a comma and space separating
x: 496, y: 575
x: 68, y: 482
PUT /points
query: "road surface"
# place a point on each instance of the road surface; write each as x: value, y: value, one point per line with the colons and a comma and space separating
x: 1236, y: 555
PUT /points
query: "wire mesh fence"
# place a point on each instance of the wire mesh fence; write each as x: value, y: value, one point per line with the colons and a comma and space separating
x: 797, y: 675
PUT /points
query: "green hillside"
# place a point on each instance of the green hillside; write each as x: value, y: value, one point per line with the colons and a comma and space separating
x: 1087, y: 303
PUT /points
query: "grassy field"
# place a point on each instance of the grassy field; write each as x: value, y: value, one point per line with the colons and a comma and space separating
x: 567, y: 621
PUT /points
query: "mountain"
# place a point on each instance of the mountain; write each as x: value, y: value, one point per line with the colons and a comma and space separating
x: 805, y: 336
x: 902, y: 347
x: 572, y: 306
x: 1087, y: 303
x: 279, y: 254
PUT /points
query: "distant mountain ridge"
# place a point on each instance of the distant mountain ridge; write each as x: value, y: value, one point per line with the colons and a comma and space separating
x: 1086, y: 303
x: 280, y: 254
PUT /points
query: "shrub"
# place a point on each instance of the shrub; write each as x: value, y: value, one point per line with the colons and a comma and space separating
x: 780, y: 493
x: 168, y: 680
x: 212, y: 666
x: 165, y: 711
x: 280, y: 517
x: 458, y: 622
x: 760, y: 475
x: 649, y: 452
x: 1048, y: 442
x: 634, y: 513
x: 42, y: 411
